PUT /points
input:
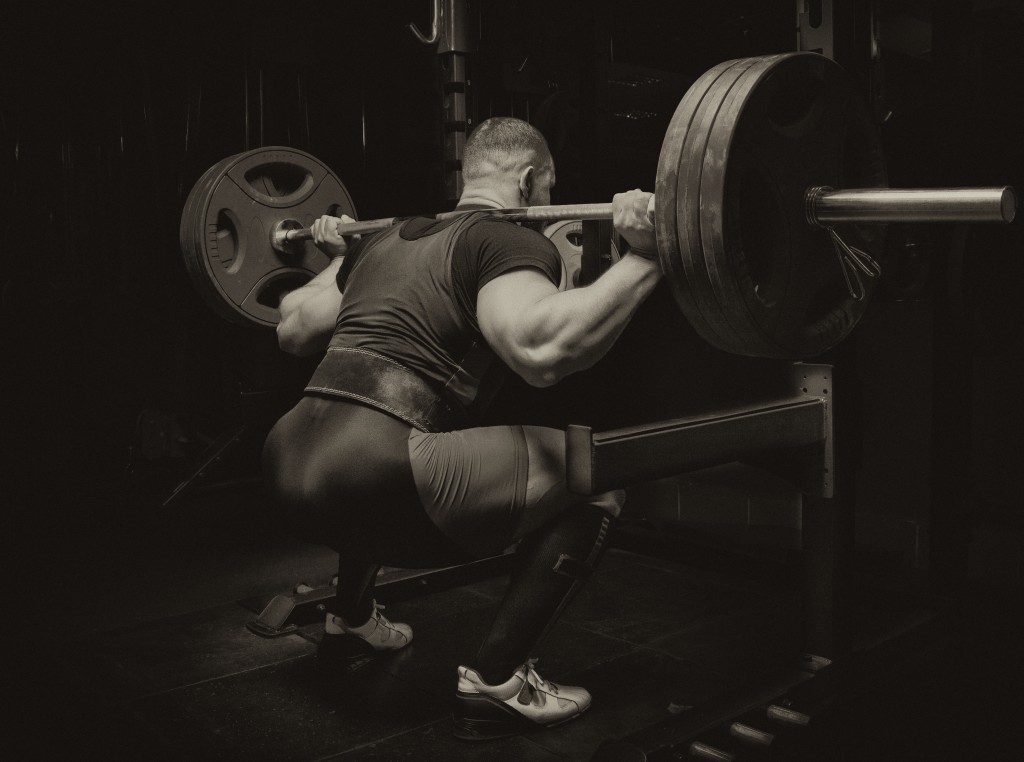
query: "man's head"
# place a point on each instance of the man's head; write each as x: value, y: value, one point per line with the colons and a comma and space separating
x: 507, y: 161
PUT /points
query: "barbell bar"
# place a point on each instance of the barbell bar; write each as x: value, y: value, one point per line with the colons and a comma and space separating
x: 825, y: 207
x: 287, y: 231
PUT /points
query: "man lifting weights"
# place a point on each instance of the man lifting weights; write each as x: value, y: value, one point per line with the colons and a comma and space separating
x: 382, y: 459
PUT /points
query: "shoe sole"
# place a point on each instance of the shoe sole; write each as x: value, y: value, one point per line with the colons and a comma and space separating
x: 351, y: 656
x: 354, y: 647
x: 492, y: 719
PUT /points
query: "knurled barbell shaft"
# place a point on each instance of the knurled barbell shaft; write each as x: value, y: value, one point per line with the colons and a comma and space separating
x: 550, y: 213
x: 824, y: 206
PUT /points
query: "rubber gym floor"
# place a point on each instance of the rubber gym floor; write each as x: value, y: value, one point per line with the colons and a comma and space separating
x: 128, y: 641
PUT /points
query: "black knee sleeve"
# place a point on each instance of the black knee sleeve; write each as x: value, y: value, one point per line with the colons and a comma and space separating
x: 581, y: 567
x: 552, y: 564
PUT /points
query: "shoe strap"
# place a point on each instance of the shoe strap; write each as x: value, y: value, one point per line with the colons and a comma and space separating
x: 534, y: 678
x: 381, y: 619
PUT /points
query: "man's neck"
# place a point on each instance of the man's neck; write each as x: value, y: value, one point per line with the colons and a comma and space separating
x: 481, y: 197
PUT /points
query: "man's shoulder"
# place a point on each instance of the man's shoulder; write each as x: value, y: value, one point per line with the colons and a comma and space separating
x: 496, y: 226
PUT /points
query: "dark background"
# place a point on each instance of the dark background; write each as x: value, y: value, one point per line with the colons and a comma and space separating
x: 116, y: 376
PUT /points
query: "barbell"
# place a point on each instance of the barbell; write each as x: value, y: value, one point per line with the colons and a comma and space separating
x: 770, y: 197
x: 825, y: 207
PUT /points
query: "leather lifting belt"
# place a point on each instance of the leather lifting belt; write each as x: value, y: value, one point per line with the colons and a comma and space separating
x: 375, y: 380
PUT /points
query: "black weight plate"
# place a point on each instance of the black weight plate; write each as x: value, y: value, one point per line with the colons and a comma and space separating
x: 671, y: 224
x: 190, y: 229
x: 693, y: 174
x: 791, y: 122
x: 227, y: 222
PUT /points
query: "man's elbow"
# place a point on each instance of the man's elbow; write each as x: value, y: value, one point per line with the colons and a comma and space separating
x: 545, y: 366
x: 541, y: 379
x: 286, y: 342
x: 292, y: 341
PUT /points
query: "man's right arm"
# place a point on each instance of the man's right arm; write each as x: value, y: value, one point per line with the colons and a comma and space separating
x: 544, y: 334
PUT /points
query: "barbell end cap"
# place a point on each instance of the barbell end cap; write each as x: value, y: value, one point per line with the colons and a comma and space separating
x: 286, y: 236
x: 278, y: 237
x: 1008, y: 204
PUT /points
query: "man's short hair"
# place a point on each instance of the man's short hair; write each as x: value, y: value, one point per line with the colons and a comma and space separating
x: 501, y: 141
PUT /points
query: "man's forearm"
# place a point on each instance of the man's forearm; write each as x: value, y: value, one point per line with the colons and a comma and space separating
x: 579, y: 326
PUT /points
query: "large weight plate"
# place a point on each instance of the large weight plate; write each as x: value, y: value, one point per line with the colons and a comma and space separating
x: 758, y: 280
x: 227, y: 220
x: 677, y: 235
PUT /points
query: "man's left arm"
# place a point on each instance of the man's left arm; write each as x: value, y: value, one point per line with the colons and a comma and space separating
x: 309, y: 313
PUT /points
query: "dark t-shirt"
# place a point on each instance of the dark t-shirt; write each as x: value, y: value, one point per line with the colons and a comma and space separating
x: 418, y: 307
x: 486, y: 250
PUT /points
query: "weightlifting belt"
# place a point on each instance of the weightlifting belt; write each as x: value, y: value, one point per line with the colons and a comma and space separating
x: 380, y: 382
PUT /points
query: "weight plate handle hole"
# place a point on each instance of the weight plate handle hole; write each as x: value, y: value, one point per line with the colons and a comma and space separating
x: 280, y: 180
x: 274, y: 289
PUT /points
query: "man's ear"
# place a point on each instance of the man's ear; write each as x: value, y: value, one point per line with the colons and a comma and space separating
x: 526, y: 182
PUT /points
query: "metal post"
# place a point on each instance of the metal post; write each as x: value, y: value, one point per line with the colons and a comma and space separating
x: 453, y: 33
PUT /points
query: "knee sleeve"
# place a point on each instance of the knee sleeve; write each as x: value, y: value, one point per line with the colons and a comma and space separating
x: 579, y: 566
x: 552, y: 564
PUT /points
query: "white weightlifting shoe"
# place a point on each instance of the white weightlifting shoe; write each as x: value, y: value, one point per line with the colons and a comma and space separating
x: 377, y: 635
x: 525, y: 701
x: 379, y: 632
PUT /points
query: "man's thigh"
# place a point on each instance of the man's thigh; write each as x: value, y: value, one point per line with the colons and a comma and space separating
x: 487, y: 487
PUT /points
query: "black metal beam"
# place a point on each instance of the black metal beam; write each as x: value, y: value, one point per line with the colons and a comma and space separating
x: 792, y: 434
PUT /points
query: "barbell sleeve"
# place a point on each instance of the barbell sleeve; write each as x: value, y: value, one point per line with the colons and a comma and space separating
x: 826, y: 207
